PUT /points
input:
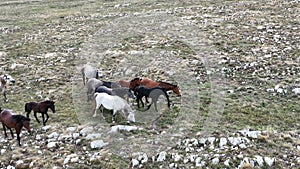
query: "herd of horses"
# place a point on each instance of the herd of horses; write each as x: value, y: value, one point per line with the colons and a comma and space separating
x: 109, y: 95
x: 11, y: 121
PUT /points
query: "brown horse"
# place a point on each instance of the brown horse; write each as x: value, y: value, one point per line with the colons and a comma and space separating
x: 9, y: 120
x: 151, y: 83
x: 124, y: 83
x: 41, y: 107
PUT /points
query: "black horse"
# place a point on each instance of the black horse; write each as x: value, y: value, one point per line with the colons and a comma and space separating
x: 41, y: 107
x: 153, y: 93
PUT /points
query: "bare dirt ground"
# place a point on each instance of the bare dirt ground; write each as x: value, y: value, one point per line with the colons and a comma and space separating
x: 236, y: 62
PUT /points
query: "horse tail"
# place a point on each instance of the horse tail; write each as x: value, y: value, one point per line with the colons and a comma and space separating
x: 27, y: 107
x: 83, y: 75
x: 167, y: 96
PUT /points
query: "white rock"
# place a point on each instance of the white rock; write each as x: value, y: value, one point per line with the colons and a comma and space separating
x: 251, y: 134
x: 216, y: 160
x: 211, y: 140
x: 242, y: 146
x: 198, y: 162
x: 75, y: 135
x: 71, y: 129
x: 52, y: 145
x: 161, y: 156
x: 10, y: 167
x: 2, y: 151
x: 53, y: 135
x: 296, y: 90
x: 269, y: 161
x: 19, y: 162
x: 176, y: 157
x: 98, y: 144
x: 124, y: 128
x: 46, y: 128
x: 134, y: 163
x: 93, y: 136
x: 143, y: 158
x: 234, y: 140
x: 259, y: 160
x: 226, y: 163
x: 223, y: 142
x: 86, y: 130
x: 49, y: 55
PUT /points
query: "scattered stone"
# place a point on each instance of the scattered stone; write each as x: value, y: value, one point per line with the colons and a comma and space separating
x: 269, y: 161
x: 46, y: 128
x: 98, y: 144
x: 52, y: 145
x: 161, y: 156
x: 134, y: 163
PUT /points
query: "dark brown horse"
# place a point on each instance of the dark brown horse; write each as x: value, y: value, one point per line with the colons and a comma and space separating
x: 9, y: 120
x: 41, y: 107
x: 151, y: 83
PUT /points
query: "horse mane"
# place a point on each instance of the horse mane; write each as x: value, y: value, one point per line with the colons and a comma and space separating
x: 3, y: 81
x: 167, y: 83
x: 48, y: 101
x: 137, y: 78
x: 19, y: 118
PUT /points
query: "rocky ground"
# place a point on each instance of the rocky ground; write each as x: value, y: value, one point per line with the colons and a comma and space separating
x: 236, y: 62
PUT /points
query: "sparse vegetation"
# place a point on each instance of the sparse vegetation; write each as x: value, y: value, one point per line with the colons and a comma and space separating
x: 252, y: 48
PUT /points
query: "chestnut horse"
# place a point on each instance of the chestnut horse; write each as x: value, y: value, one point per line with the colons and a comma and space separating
x: 9, y: 120
x: 41, y: 107
x: 150, y: 84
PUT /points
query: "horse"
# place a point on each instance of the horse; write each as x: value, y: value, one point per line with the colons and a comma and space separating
x: 150, y: 84
x: 41, y: 107
x: 90, y: 72
x: 114, y: 103
x: 93, y: 84
x: 121, y: 92
x: 153, y: 93
x: 124, y: 83
x: 9, y: 120
x: 4, y: 80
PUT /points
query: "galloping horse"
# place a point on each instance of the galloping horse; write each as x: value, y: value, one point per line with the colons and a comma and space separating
x: 153, y: 93
x: 114, y: 103
x: 41, y: 107
x: 9, y: 120
x: 150, y: 84
x: 4, y: 79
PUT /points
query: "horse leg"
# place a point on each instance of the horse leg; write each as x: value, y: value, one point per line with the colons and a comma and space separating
x: 4, y: 128
x: 47, y: 117
x: 18, y: 131
x: 36, y: 117
x: 11, y: 132
x: 5, y: 98
x: 27, y: 114
x: 114, y: 115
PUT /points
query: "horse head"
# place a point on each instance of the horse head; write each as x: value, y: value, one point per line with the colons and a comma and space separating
x: 50, y: 105
x: 176, y: 90
x: 135, y: 82
x: 130, y: 116
x: 8, y: 78
x: 26, y: 123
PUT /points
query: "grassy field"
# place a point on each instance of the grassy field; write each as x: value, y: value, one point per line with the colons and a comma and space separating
x: 231, y: 61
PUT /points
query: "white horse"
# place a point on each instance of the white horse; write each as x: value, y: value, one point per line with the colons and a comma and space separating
x: 114, y: 103
x: 90, y: 72
x: 4, y: 80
